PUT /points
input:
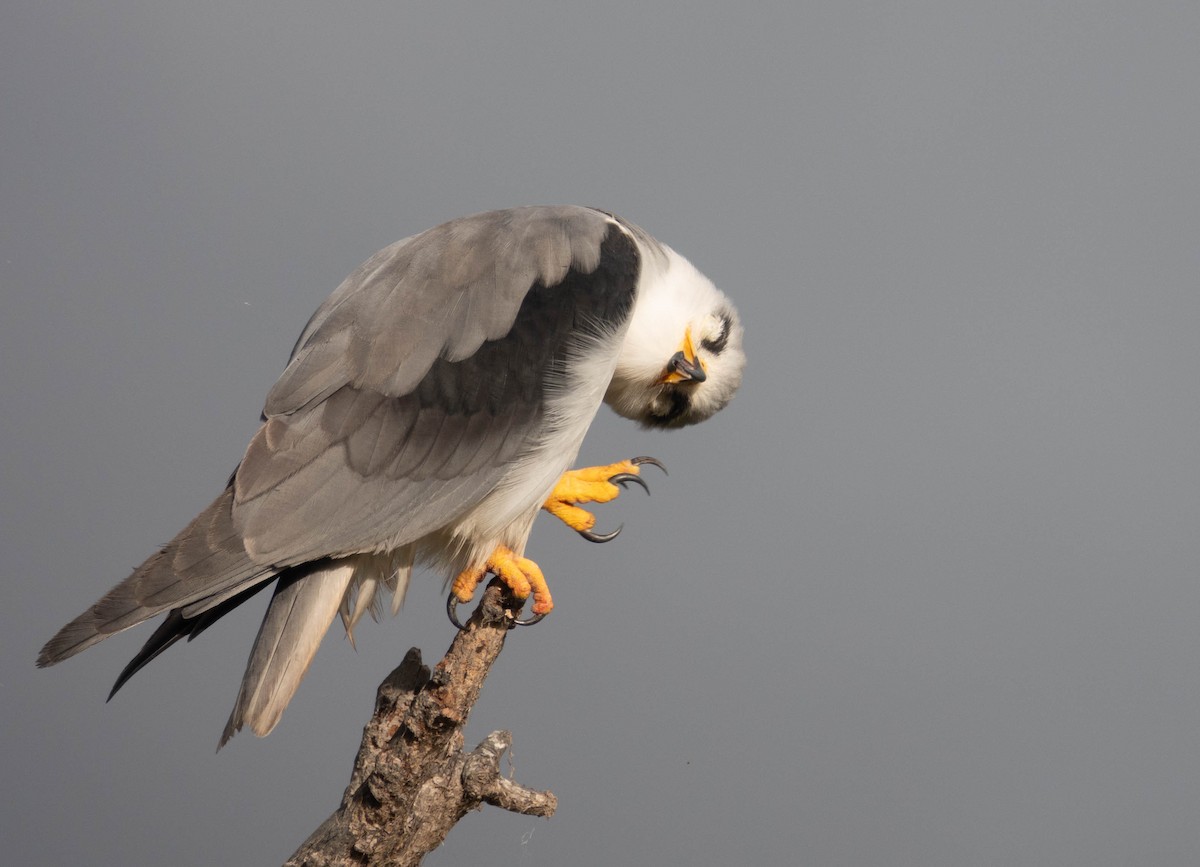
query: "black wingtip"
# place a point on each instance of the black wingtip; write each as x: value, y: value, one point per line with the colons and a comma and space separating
x: 169, y: 631
x: 175, y: 627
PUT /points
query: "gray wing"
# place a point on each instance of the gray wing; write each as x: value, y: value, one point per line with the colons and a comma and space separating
x: 439, y: 294
x: 409, y: 390
x: 204, y: 565
x: 423, y: 377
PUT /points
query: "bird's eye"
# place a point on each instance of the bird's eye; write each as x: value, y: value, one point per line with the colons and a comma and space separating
x: 716, y: 344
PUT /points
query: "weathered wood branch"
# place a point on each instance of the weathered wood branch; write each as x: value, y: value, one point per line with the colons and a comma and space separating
x: 412, y: 781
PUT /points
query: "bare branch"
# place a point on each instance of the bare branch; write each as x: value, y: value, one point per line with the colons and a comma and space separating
x: 482, y: 780
x: 411, y: 780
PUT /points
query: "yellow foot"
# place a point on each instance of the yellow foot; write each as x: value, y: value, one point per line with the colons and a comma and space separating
x: 520, y: 574
x: 593, y: 485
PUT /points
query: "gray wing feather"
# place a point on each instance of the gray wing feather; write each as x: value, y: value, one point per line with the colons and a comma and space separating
x: 439, y: 294
x: 206, y: 558
x: 297, y: 618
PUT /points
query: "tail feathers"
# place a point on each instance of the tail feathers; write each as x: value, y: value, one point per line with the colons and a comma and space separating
x: 179, y: 624
x: 373, y: 572
x: 206, y: 561
x: 306, y: 600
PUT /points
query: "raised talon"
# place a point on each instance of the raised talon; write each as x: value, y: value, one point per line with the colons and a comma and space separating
x: 646, y: 459
x: 595, y: 485
x: 601, y: 537
x: 623, y: 479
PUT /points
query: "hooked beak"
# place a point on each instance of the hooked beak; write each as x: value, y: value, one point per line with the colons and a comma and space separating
x: 685, y: 365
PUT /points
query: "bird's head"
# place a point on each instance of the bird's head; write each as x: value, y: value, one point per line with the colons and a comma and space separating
x: 682, y: 358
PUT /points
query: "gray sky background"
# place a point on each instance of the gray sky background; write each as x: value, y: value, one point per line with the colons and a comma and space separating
x: 926, y: 594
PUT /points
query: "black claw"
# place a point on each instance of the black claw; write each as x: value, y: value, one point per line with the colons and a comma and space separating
x: 645, y: 459
x: 600, y: 537
x: 623, y: 479
x: 452, y: 612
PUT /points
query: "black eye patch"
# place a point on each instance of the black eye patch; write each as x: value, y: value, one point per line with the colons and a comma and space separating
x: 717, y: 345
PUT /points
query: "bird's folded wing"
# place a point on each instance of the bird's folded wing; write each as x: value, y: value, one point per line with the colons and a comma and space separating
x: 206, y: 558
x: 383, y: 459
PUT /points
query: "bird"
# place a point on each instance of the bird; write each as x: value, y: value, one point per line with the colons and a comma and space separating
x: 431, y: 408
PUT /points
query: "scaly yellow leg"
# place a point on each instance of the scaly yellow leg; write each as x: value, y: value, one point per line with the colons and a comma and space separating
x: 592, y: 485
x: 520, y: 574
